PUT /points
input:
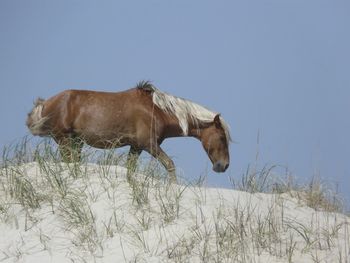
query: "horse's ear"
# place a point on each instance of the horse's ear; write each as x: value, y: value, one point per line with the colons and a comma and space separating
x: 217, y: 121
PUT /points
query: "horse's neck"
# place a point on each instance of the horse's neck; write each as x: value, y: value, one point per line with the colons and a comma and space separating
x: 173, y: 128
x: 195, y: 129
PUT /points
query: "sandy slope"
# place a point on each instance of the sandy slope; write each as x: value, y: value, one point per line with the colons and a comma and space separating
x: 97, y: 217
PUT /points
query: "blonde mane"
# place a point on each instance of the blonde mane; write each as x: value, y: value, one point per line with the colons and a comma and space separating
x: 183, y: 109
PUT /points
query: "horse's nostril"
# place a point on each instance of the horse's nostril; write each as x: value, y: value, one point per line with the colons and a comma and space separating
x: 219, y: 167
x: 226, y: 166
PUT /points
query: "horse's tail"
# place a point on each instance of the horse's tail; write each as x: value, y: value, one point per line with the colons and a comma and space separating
x: 35, y: 121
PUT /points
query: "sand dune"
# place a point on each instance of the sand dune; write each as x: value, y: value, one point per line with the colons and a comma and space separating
x: 68, y: 213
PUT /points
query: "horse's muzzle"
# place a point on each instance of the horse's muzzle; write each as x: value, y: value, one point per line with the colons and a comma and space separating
x: 220, y: 167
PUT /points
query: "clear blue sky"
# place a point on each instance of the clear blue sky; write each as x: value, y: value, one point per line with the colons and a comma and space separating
x: 278, y: 67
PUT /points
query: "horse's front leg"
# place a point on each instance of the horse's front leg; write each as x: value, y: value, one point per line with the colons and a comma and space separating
x: 158, y: 153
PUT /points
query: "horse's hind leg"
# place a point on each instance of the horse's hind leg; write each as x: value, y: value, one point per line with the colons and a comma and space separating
x: 70, y: 148
x: 131, y: 162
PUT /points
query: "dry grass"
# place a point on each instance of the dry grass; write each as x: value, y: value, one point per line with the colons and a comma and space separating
x: 93, y: 208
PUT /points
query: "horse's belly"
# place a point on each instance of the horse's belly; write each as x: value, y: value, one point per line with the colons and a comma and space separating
x: 103, y: 136
x: 107, y: 127
x: 103, y: 141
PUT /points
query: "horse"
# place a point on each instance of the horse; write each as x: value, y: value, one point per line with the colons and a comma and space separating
x: 141, y: 117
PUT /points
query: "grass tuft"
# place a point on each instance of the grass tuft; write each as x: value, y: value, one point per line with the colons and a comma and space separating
x: 87, y: 211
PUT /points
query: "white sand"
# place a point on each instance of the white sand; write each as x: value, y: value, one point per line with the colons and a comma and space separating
x: 206, y: 225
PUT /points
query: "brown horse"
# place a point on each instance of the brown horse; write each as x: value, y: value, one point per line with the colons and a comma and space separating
x: 141, y: 117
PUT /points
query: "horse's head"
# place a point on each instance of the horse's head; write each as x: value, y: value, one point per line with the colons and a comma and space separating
x: 215, y: 142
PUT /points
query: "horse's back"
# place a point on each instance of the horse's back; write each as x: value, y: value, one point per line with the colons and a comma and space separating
x: 98, y: 116
x: 75, y: 101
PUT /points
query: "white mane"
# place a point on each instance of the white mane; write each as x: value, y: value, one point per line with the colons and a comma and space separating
x: 185, y: 109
